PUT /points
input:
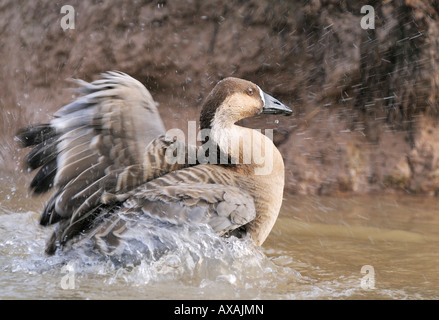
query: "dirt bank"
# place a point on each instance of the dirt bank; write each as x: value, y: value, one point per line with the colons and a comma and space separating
x: 366, y: 100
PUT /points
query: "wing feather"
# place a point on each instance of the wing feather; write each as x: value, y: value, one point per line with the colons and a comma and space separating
x: 226, y: 208
x: 89, y: 143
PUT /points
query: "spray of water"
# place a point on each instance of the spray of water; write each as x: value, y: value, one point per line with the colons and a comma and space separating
x: 190, y: 256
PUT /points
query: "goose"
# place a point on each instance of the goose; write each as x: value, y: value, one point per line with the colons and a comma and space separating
x: 106, y: 158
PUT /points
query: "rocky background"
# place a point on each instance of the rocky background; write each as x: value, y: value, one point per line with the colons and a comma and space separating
x: 366, y: 101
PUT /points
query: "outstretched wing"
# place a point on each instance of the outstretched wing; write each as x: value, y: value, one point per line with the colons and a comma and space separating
x: 93, y: 145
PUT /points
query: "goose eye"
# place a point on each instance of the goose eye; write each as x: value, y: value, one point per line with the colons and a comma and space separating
x: 250, y: 91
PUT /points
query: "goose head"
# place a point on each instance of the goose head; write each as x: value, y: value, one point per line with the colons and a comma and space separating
x: 233, y: 99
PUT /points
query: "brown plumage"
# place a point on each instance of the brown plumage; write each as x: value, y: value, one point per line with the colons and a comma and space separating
x: 108, y: 161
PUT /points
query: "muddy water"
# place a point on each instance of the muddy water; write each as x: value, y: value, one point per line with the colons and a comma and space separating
x: 382, y: 247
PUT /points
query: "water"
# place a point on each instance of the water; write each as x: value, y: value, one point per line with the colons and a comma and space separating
x: 316, y: 250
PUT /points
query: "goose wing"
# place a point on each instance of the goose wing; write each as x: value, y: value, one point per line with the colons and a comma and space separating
x: 202, y: 194
x: 94, y: 144
x: 225, y: 208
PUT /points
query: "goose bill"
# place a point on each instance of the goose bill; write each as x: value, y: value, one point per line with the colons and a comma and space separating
x: 274, y: 106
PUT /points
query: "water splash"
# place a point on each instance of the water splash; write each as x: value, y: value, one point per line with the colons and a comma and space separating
x: 191, y: 257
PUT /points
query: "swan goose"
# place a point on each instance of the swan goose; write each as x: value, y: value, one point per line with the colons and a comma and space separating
x: 106, y: 157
